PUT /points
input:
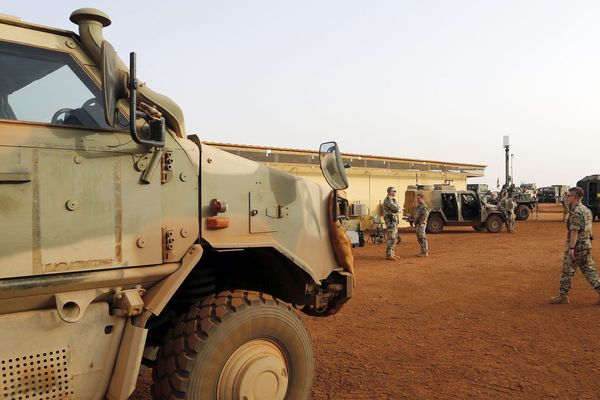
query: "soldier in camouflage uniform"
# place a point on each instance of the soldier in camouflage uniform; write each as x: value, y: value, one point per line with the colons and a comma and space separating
x: 503, y: 207
x: 578, y: 251
x: 565, y: 205
x: 390, y: 216
x: 421, y: 223
x: 511, y: 203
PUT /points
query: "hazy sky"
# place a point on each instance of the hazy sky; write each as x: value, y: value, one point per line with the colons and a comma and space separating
x: 441, y: 80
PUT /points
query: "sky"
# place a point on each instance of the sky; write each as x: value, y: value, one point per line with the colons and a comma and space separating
x: 427, y: 79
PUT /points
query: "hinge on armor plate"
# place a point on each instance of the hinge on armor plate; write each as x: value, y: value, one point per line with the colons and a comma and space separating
x: 278, y: 211
x: 127, y: 303
x: 166, y: 166
x: 168, y: 243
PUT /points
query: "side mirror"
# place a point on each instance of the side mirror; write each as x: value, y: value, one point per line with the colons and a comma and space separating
x: 116, y: 86
x: 332, y: 166
x: 155, y: 120
x: 114, y: 83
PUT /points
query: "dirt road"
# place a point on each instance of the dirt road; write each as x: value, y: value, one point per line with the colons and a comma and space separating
x: 472, y: 321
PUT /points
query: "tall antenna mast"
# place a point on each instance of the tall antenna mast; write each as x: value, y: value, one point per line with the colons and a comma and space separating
x: 506, y: 143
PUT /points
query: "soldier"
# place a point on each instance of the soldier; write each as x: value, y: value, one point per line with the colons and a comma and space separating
x: 503, y: 208
x: 421, y: 223
x: 510, y: 214
x: 565, y: 205
x: 578, y: 251
x: 390, y: 216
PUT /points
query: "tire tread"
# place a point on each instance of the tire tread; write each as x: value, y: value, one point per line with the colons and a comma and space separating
x: 187, y: 338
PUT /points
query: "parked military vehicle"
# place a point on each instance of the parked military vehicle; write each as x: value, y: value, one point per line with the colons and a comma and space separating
x: 548, y: 194
x: 591, y: 193
x: 451, y: 207
x: 121, y: 235
x: 525, y: 202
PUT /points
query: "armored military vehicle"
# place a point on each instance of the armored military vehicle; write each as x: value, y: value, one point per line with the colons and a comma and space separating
x: 451, y: 207
x: 121, y: 235
x: 591, y: 193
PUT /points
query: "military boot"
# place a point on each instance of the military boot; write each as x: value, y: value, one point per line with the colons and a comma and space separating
x: 391, y: 257
x: 560, y: 299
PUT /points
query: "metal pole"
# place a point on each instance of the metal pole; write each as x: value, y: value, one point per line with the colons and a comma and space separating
x: 507, y: 177
x: 512, y: 164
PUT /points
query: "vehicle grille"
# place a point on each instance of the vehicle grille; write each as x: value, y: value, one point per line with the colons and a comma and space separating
x: 38, y: 376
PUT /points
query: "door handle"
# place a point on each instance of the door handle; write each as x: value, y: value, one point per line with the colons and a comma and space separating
x: 16, y: 175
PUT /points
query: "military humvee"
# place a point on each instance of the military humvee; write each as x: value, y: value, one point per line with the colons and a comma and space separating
x: 121, y: 235
x: 451, y: 207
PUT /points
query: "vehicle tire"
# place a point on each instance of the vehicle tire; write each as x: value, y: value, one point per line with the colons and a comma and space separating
x: 479, y: 228
x: 494, y: 223
x: 235, y: 345
x: 522, y: 212
x: 435, y: 223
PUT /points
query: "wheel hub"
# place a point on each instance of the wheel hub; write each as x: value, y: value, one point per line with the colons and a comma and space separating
x: 255, y: 371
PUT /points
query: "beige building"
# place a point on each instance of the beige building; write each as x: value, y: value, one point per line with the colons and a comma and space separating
x: 369, y: 176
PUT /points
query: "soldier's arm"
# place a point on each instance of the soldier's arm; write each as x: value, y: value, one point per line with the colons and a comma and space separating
x: 575, y: 224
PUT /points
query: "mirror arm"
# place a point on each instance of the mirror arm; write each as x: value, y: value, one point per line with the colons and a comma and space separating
x: 335, y: 205
x: 134, y: 113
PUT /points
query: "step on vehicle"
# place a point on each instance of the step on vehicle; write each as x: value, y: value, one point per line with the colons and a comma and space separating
x: 126, y: 242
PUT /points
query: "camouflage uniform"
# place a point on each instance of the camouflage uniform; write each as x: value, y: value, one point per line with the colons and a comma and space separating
x: 503, y: 208
x: 390, y: 216
x: 580, y: 219
x: 421, y: 223
x: 510, y: 215
x: 565, y: 205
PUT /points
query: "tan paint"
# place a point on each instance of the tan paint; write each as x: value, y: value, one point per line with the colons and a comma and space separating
x: 84, y: 222
x: 87, y: 363
x: 127, y: 366
x: 301, y: 234
x: 157, y: 297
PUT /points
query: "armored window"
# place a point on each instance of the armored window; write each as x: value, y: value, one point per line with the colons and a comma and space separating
x: 39, y: 85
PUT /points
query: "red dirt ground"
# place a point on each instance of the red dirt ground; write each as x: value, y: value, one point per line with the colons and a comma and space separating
x: 472, y: 321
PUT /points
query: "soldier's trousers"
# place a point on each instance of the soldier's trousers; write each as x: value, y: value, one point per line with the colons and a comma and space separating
x: 422, y: 238
x: 392, y: 235
x: 510, y: 222
x: 583, y: 260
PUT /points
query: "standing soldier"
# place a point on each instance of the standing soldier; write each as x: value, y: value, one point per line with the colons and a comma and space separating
x: 510, y: 214
x: 578, y: 252
x: 503, y: 208
x: 565, y: 205
x: 390, y: 216
x: 421, y: 223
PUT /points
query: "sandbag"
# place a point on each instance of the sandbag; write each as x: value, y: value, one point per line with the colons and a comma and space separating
x: 342, y: 247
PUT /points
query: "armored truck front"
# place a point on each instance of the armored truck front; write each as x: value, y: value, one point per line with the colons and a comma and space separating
x: 126, y: 242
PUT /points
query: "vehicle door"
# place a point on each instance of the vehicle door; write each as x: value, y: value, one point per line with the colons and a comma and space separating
x: 470, y: 207
x: 69, y: 194
x: 449, y: 206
